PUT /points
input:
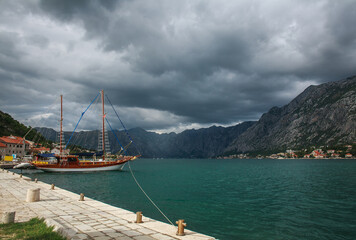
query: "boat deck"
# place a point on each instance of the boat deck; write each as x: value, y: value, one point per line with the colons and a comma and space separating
x: 89, y: 219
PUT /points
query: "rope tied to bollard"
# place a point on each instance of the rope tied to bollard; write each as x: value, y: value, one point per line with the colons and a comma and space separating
x: 133, y: 176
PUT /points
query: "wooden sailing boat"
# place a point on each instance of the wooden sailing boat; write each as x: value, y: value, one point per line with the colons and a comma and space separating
x: 71, y: 163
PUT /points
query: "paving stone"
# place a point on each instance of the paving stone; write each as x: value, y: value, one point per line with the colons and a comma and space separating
x: 109, y: 230
x: 131, y: 233
x: 125, y: 238
x: 120, y: 228
x: 95, y: 234
x: 146, y: 231
x: 89, y: 221
x: 122, y: 222
x: 113, y: 224
x: 94, y: 224
x: 80, y: 236
x: 143, y: 238
x: 115, y: 234
x: 160, y: 236
x: 84, y: 228
x: 105, y: 229
x: 103, y: 238
x: 135, y: 225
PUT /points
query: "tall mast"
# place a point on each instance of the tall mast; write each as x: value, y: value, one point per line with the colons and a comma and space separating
x: 60, y: 134
x: 103, y: 138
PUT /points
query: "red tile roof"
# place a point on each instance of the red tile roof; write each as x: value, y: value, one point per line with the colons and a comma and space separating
x: 12, y: 139
x: 2, y: 145
x: 41, y: 149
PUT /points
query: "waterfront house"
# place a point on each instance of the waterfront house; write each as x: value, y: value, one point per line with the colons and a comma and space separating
x: 317, y: 154
x: 349, y: 147
x: 335, y: 155
x: 2, y: 150
x: 348, y: 155
x: 40, y: 150
x: 15, y: 145
x: 56, y: 151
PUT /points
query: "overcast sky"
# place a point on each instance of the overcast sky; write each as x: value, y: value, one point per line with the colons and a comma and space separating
x: 168, y: 65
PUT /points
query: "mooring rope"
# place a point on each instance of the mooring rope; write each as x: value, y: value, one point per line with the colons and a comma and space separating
x: 124, y: 149
x: 133, y: 176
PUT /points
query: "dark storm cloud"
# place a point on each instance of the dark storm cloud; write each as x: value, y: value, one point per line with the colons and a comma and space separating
x: 171, y: 64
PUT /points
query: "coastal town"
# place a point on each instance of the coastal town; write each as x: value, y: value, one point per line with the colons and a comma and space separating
x: 13, y: 148
x: 323, y: 152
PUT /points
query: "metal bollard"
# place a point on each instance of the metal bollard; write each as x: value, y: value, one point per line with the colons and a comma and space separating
x: 8, y: 217
x: 13, y: 173
x: 81, y: 198
x: 181, y: 225
x: 138, y: 217
x: 36, y: 180
x: 21, y: 175
x: 52, y: 186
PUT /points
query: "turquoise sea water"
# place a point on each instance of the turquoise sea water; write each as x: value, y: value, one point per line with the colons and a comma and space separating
x: 233, y: 199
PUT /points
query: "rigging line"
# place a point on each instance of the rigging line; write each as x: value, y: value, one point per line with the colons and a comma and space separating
x: 122, y: 148
x: 133, y: 176
x: 80, y: 119
x: 126, y: 147
x: 127, y: 133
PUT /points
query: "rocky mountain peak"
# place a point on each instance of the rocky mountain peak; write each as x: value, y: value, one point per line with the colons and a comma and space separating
x: 323, y: 114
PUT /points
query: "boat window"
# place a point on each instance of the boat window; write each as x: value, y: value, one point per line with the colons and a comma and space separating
x: 72, y: 159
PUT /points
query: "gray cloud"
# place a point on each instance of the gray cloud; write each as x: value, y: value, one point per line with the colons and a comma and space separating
x: 170, y: 65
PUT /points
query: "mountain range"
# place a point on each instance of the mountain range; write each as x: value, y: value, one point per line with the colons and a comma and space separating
x: 201, y: 143
x: 320, y: 115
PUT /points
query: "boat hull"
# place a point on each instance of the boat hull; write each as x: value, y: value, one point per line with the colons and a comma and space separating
x: 71, y: 163
x: 78, y: 169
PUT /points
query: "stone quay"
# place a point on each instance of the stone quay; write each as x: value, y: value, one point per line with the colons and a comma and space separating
x: 74, y: 219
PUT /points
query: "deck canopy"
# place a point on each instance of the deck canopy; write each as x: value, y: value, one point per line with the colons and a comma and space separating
x: 46, y: 155
x: 88, y: 154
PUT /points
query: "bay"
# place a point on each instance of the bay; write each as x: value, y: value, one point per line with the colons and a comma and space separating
x: 232, y: 198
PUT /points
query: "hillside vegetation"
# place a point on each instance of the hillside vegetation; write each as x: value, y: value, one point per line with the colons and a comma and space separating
x: 10, y: 126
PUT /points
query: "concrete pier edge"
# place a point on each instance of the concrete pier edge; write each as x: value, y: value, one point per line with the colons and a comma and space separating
x: 74, y: 219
